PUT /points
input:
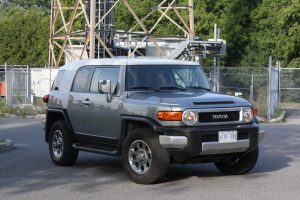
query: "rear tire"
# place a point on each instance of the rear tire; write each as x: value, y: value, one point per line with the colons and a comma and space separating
x: 60, y: 145
x: 144, y: 159
x: 238, y: 165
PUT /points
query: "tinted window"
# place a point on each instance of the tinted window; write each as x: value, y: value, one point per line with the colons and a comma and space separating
x: 58, y: 78
x: 166, y: 77
x: 109, y: 73
x: 81, y: 79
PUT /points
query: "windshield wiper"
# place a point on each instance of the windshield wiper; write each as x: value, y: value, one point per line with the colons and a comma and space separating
x: 198, y: 88
x: 172, y: 88
x: 143, y: 88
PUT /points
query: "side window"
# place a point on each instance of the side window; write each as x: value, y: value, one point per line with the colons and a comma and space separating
x: 81, y: 79
x: 57, y: 80
x: 108, y: 73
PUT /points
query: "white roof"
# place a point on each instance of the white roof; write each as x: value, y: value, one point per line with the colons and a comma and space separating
x: 128, y: 61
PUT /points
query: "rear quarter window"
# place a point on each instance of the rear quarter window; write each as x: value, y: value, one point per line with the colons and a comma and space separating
x: 57, y: 80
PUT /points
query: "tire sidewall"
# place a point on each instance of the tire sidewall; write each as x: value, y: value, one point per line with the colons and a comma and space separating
x: 55, y: 127
x: 159, y: 161
x: 69, y: 155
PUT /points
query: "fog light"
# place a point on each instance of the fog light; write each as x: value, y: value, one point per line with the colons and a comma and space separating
x: 189, y: 117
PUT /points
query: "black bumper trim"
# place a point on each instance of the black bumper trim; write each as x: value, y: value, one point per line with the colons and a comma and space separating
x: 196, y: 136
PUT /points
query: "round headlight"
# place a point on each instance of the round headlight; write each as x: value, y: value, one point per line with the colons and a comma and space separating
x: 189, y: 117
x: 247, y: 114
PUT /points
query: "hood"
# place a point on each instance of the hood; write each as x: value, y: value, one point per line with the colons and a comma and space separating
x: 189, y: 99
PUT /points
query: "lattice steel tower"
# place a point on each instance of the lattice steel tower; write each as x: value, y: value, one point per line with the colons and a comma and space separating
x: 85, y: 30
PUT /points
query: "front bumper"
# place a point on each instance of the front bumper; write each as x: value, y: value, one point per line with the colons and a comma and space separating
x: 194, y: 141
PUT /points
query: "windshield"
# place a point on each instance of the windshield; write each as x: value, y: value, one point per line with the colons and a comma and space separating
x: 166, y: 77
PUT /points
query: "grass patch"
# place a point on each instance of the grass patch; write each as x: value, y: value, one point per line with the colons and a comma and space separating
x: 22, y: 110
x: 278, y: 111
x: 290, y: 105
x: 261, y: 102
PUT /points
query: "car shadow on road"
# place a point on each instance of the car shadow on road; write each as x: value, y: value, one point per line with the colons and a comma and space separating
x: 277, y: 151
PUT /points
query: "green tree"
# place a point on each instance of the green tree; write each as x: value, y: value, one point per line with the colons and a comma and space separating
x: 26, y: 3
x: 253, y: 29
x: 24, y: 37
x: 275, y: 32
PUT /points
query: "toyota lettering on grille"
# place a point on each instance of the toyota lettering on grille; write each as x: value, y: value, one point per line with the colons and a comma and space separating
x: 225, y: 116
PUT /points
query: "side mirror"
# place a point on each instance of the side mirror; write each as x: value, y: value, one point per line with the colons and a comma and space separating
x: 104, y: 86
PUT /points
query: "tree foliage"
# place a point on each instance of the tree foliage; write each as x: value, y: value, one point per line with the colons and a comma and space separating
x: 275, y: 32
x: 23, y: 37
x: 253, y: 29
x: 27, y: 3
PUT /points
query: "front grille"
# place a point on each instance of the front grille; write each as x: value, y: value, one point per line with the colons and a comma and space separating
x: 215, y: 117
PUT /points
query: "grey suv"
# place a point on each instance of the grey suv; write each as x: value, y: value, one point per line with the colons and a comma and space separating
x: 151, y: 112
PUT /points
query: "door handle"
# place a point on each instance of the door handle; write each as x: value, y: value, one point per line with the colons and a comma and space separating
x: 86, y: 102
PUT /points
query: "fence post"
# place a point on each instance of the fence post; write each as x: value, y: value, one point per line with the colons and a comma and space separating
x: 27, y: 100
x: 269, y: 87
x: 216, y: 62
x: 5, y: 78
x: 251, y: 87
x: 50, y: 78
x: 279, y: 82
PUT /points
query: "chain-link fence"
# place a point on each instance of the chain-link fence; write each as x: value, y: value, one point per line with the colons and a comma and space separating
x: 289, y: 87
x: 24, y: 85
x: 14, y: 82
x: 249, y: 83
x: 264, y: 87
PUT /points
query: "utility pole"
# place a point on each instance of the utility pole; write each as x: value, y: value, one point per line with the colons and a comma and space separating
x: 192, y: 20
x: 50, y: 61
x: 269, y: 115
x: 92, y: 28
x: 216, y: 85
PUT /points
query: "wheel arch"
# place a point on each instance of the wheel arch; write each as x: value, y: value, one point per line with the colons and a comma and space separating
x: 130, y: 123
x: 54, y: 115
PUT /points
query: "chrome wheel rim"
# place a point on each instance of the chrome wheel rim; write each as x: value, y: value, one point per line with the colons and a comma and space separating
x: 57, y: 144
x: 140, y: 157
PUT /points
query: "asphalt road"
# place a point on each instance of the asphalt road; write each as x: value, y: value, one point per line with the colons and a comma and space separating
x: 28, y: 173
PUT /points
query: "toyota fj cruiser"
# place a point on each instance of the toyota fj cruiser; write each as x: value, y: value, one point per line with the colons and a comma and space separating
x: 151, y: 112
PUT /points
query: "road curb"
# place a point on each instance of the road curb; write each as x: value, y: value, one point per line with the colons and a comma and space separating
x: 279, y: 119
x: 7, y: 145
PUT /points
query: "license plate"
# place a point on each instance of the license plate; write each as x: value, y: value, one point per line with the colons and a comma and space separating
x: 227, y: 136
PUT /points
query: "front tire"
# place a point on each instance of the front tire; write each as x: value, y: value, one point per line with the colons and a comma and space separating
x: 144, y: 159
x: 60, y: 145
x: 238, y: 165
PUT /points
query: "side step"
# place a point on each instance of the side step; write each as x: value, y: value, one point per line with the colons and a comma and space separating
x: 93, y: 149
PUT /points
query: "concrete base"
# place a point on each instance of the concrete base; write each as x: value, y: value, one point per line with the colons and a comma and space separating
x: 7, y: 145
x: 279, y: 119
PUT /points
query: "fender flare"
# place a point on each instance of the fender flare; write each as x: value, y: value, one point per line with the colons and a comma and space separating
x: 150, y: 122
x: 50, y: 121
